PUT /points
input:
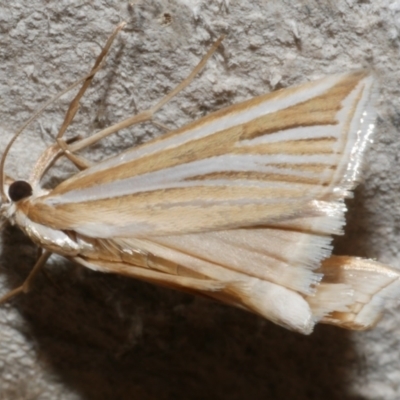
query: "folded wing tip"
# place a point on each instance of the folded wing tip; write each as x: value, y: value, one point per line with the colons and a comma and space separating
x: 370, y: 286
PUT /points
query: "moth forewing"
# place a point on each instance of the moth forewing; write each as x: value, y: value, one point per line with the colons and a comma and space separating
x: 238, y: 206
x: 212, y: 169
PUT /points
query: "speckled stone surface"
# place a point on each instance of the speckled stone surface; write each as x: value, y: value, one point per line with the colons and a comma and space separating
x: 86, y: 335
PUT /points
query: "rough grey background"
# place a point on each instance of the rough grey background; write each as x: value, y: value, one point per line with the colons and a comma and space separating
x: 94, y: 336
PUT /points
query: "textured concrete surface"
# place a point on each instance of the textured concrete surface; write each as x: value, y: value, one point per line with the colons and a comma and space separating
x: 85, y: 335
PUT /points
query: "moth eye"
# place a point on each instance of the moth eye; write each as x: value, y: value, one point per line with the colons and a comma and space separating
x: 18, y: 190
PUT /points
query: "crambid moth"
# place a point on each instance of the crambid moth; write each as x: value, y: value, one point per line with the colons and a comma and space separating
x: 238, y: 206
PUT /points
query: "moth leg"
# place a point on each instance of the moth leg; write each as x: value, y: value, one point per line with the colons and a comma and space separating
x: 80, y: 162
x: 24, y: 288
x: 36, y: 268
x: 46, y: 160
x: 74, y: 105
x: 188, y: 79
x: 161, y: 126
x: 12, y: 293
x: 71, y: 111
x: 53, y: 152
x: 146, y: 115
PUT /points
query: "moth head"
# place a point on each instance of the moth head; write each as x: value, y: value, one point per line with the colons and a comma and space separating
x: 19, y: 190
x: 15, y: 191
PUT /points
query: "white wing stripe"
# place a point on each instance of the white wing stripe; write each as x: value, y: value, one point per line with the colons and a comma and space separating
x: 180, y: 175
x: 222, y: 123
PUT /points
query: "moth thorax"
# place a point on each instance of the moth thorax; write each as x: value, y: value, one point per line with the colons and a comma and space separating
x: 19, y: 190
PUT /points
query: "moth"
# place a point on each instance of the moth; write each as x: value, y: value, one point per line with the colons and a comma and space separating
x: 239, y: 206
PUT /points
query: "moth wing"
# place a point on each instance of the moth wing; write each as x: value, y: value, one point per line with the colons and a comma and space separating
x: 367, y: 284
x: 174, y: 269
x: 290, y: 154
x: 271, y: 272
x: 351, y: 294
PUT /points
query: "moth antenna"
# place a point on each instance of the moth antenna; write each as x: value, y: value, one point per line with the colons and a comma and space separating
x: 87, y: 77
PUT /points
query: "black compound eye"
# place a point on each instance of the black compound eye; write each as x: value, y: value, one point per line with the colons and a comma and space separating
x: 18, y: 190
